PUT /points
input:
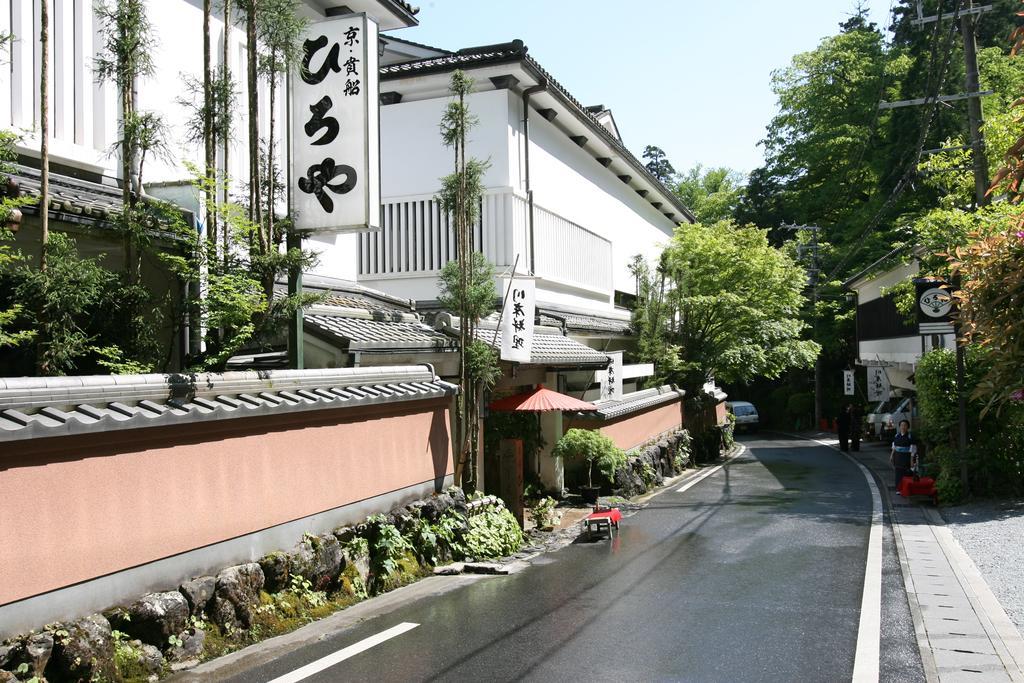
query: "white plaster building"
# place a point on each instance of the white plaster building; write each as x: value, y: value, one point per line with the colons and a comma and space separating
x: 563, y: 194
x: 885, y: 338
x: 84, y: 113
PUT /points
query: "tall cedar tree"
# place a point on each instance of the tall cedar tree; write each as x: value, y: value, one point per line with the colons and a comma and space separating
x: 467, y: 288
x: 44, y: 132
x: 279, y: 30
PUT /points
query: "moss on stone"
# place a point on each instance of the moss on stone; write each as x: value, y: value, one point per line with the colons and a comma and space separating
x: 217, y: 643
x: 128, y: 666
x: 352, y: 583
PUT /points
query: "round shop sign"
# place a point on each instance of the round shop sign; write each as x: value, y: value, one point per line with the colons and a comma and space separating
x: 936, y: 303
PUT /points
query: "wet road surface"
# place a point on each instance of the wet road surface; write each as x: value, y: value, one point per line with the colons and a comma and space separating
x: 755, y: 573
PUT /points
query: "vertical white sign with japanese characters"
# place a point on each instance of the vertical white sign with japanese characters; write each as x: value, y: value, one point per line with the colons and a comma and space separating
x: 611, y: 379
x: 878, y: 384
x: 335, y: 128
x: 848, y: 385
x: 517, y: 320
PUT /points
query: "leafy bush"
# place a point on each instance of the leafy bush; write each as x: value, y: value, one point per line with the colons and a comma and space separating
x: 492, y: 533
x: 728, y: 431
x: 387, y: 549
x: 593, y: 447
x: 647, y: 474
x: 801, y: 406
x: 424, y: 542
x: 995, y: 445
x: 992, y: 298
x: 542, y: 510
x: 450, y: 533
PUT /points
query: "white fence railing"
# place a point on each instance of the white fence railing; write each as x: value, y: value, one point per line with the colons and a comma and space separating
x: 416, y: 239
x: 571, y: 254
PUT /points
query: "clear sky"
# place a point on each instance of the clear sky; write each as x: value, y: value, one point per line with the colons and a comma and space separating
x: 690, y: 76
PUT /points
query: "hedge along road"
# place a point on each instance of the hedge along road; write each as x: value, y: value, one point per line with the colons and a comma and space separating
x: 754, y: 573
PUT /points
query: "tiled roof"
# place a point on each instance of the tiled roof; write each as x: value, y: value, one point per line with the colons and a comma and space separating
x: 361, y: 334
x: 349, y: 294
x: 407, y: 7
x: 634, y: 403
x: 476, y: 57
x: 351, y: 300
x: 397, y: 39
x: 70, y: 196
x: 552, y: 349
x: 59, y: 406
x: 80, y: 201
x: 517, y: 51
x: 584, y: 322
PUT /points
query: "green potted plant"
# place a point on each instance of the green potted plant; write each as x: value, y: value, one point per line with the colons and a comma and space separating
x: 594, y: 448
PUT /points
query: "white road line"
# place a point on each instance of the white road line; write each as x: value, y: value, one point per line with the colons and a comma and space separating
x: 698, y: 479
x: 869, y: 633
x: 343, y: 654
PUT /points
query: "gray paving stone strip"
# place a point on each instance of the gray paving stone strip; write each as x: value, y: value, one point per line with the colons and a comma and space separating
x: 963, y: 632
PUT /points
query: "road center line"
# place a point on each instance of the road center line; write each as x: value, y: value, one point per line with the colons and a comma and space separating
x: 869, y: 632
x: 698, y: 479
x: 343, y: 654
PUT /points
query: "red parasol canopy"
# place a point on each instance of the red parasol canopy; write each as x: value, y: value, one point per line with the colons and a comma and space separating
x: 540, y: 400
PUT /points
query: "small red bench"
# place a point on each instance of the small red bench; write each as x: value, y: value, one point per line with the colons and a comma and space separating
x: 602, y: 519
x: 921, y: 486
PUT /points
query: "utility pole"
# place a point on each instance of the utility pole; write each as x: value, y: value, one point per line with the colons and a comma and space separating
x: 812, y: 280
x: 974, y: 118
x: 979, y: 165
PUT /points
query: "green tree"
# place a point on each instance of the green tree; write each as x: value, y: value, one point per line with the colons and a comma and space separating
x: 659, y: 165
x: 711, y: 194
x: 61, y: 304
x: 467, y: 286
x: 593, y: 448
x: 10, y: 258
x: 816, y: 147
x: 995, y: 443
x: 733, y: 305
x: 125, y: 57
x: 44, y: 132
x: 279, y: 31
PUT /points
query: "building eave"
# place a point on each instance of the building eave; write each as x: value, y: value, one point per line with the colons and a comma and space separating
x: 604, y: 145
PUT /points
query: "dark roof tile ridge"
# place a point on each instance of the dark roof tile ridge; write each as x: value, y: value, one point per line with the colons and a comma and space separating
x: 397, y: 39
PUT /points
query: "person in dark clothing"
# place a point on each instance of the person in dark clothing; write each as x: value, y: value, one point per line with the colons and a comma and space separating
x: 904, y: 452
x: 855, y: 427
x: 843, y: 427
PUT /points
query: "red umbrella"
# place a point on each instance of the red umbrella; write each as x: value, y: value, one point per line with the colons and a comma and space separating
x: 540, y: 400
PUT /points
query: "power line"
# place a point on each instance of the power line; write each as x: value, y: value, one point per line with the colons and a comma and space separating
x: 936, y: 77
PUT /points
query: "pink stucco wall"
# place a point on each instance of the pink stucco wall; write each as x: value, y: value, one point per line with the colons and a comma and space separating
x: 75, y: 508
x: 635, y: 429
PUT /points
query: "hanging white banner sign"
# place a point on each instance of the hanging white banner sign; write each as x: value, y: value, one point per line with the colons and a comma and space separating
x: 517, y: 320
x: 611, y: 379
x: 335, y: 128
x: 878, y: 384
x: 848, y: 385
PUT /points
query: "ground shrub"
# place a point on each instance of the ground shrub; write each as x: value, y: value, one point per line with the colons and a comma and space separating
x: 542, y: 511
x: 493, y: 532
x: 450, y: 531
x: 995, y: 442
x: 593, y: 448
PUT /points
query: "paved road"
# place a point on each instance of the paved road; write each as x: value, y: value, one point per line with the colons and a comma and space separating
x: 755, y: 573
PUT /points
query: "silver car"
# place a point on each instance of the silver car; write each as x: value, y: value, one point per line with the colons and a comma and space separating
x: 746, y: 415
x: 886, y: 416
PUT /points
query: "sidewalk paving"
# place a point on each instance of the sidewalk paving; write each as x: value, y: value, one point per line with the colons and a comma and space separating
x: 963, y: 632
